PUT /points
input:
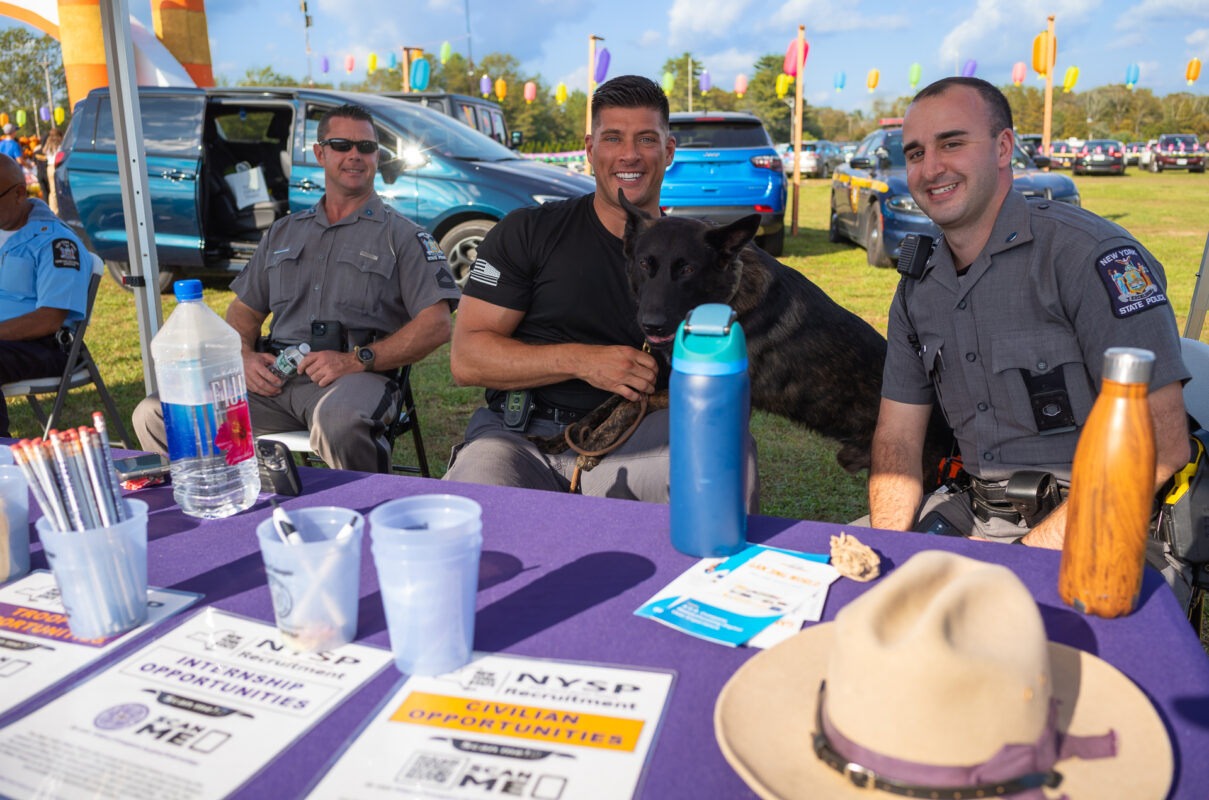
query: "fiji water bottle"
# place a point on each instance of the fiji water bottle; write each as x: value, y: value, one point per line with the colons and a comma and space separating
x: 205, y: 401
x: 710, y: 405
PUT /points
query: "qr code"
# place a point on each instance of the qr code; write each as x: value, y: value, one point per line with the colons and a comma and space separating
x: 431, y: 770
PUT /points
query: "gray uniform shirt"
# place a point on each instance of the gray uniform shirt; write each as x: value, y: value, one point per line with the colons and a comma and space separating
x: 1053, y: 288
x: 372, y: 269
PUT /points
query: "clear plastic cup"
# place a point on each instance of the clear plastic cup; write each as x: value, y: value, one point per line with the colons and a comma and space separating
x: 316, y: 584
x: 14, y: 521
x: 101, y: 573
x: 426, y: 549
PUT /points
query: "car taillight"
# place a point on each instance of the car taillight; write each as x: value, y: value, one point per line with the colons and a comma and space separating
x: 767, y: 162
x: 764, y: 209
x: 59, y: 156
x: 1114, y: 153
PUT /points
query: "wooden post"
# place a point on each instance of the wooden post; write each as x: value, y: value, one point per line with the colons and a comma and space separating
x: 690, y: 84
x: 1050, y: 57
x: 797, y: 125
x: 591, y: 88
x: 406, y: 69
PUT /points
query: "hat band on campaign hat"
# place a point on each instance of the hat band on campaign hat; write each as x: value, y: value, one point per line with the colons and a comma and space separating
x: 1019, y: 771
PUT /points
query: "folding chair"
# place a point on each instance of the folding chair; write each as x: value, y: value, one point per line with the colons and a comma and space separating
x: 407, y: 420
x: 81, y: 370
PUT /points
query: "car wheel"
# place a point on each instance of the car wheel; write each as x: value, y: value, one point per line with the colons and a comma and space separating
x: 461, y: 246
x: 773, y: 243
x: 833, y: 229
x: 1202, y: 169
x: 1154, y: 166
x: 120, y: 270
x: 875, y: 247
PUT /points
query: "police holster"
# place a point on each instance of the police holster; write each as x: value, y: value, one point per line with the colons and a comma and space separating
x: 1034, y: 494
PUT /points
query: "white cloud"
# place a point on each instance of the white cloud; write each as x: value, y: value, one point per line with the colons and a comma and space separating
x: 1154, y: 10
x: 650, y: 38
x: 993, y: 27
x: 576, y: 79
x: 701, y: 20
x: 829, y: 16
x: 1198, y: 39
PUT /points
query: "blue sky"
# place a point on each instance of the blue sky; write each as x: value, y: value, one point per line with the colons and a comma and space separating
x: 550, y: 37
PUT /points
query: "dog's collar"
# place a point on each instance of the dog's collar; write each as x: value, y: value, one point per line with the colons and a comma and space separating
x: 871, y: 771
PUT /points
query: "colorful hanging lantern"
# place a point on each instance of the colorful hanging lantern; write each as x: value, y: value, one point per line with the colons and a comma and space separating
x: 530, y: 91
x: 421, y: 71
x: 913, y: 74
x: 970, y: 67
x: 392, y: 62
x: 324, y: 65
x: 44, y: 113
x: 1019, y: 73
x: 840, y: 80
x: 703, y: 81
x: 1070, y: 79
x: 3, y: 119
x: 485, y: 85
x: 560, y: 93
x: 21, y: 118
x: 872, y: 79
x: 602, y: 65
x: 445, y: 51
x: 1193, y: 71
x: 740, y: 85
x: 349, y: 63
x: 1044, y: 47
x: 371, y: 63
x: 783, y: 84
x: 668, y: 83
x: 60, y: 115
x: 1132, y: 73
x: 790, y: 66
x: 501, y: 88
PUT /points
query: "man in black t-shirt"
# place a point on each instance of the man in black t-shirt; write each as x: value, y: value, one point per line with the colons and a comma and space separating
x: 548, y: 321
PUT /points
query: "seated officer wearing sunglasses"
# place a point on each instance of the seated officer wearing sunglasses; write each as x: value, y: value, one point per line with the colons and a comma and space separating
x: 42, y: 284
x: 368, y: 290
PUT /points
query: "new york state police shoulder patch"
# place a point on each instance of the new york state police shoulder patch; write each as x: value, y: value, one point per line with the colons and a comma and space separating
x: 1131, y: 284
x: 432, y: 250
x: 65, y: 254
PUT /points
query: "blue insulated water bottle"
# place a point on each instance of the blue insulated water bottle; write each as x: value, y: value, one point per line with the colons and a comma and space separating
x: 710, y: 405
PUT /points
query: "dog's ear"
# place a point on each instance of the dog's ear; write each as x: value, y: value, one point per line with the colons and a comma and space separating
x: 636, y: 221
x: 730, y: 239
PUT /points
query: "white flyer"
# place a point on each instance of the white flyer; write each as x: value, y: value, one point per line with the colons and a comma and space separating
x: 505, y: 726
x: 37, y: 649
x: 192, y: 715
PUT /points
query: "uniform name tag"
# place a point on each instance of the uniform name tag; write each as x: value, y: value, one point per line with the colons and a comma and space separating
x: 1131, y: 285
x: 65, y: 253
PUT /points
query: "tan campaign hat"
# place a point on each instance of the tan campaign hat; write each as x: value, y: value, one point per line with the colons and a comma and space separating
x: 940, y: 676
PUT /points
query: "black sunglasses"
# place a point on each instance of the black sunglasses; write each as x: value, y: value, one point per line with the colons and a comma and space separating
x: 365, y: 146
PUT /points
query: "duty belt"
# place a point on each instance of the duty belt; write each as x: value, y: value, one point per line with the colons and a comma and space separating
x: 561, y: 416
x: 1029, y: 495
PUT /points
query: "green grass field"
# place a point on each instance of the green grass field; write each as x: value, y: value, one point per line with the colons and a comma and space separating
x: 800, y: 478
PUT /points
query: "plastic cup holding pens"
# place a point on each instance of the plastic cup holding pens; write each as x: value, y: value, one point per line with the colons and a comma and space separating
x: 101, y: 573
x: 315, y: 582
x: 14, y: 519
x: 426, y: 549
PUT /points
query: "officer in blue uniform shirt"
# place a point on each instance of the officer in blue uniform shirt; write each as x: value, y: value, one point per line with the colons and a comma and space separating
x: 44, y: 275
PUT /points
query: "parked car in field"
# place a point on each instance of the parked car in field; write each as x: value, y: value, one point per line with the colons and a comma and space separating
x: 1062, y: 155
x: 726, y: 168
x: 446, y: 177
x: 1133, y: 153
x: 871, y: 205
x: 485, y: 116
x: 846, y: 150
x: 1099, y: 155
x: 819, y: 159
x: 1030, y: 143
x: 1177, y: 151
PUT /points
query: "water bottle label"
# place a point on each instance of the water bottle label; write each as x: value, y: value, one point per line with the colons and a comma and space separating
x: 222, y: 426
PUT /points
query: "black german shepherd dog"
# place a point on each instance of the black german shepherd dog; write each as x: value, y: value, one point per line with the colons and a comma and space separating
x: 809, y: 359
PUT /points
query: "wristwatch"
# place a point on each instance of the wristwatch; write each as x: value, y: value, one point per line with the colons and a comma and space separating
x: 365, y: 357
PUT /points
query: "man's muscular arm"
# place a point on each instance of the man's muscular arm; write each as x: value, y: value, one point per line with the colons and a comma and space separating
x: 895, y: 483
x: 485, y: 354
x: 1171, y: 454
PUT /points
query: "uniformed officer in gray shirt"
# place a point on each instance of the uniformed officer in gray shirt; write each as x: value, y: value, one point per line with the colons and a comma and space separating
x: 1006, y: 328
x: 367, y: 276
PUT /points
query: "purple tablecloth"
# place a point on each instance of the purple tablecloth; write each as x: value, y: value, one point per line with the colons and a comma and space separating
x: 561, y: 576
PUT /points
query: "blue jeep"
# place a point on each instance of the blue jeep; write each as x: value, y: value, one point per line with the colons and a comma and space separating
x: 445, y: 176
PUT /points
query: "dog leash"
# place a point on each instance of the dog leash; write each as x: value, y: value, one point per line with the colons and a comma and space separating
x: 642, y: 403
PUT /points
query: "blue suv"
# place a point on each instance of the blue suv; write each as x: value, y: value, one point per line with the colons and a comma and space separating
x: 445, y: 176
x: 726, y: 168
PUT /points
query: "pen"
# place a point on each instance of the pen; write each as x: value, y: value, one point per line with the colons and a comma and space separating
x: 284, y: 527
x: 346, y: 532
